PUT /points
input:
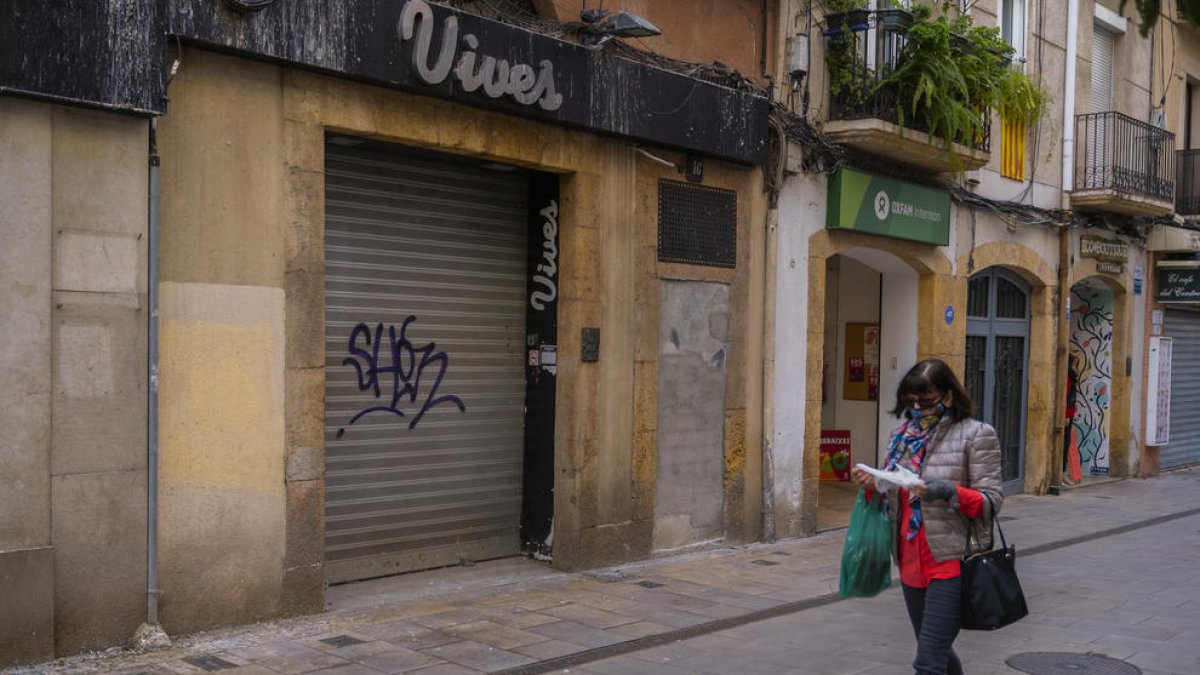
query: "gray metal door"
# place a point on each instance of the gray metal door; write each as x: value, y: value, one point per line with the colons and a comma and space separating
x: 997, y: 363
x: 1183, y: 448
x: 424, y: 373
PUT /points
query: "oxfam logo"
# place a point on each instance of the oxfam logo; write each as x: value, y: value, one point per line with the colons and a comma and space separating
x: 883, y: 205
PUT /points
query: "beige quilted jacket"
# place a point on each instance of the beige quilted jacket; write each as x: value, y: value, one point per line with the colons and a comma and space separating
x: 967, y: 454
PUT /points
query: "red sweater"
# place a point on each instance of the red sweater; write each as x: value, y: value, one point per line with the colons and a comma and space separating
x: 917, y: 564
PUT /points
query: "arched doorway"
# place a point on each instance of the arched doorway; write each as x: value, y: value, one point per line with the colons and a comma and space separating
x: 1090, y: 365
x: 870, y: 326
x: 997, y: 362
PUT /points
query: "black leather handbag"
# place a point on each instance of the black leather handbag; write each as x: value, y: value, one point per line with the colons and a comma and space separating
x: 991, y: 593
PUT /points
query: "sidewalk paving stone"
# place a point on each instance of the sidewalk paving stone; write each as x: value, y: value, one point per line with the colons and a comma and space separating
x: 530, y: 612
x: 479, y: 656
x: 398, y: 660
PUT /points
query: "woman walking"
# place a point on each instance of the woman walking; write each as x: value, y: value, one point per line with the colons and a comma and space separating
x: 958, y: 458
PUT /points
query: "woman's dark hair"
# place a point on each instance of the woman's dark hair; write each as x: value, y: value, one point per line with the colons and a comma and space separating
x: 934, y: 375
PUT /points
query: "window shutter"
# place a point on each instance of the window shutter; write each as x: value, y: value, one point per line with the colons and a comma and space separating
x: 1103, y: 43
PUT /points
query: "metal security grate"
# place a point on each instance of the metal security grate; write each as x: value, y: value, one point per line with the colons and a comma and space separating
x: 697, y: 225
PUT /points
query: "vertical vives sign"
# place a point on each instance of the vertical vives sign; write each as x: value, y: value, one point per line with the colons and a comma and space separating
x: 876, y: 205
x: 541, y: 364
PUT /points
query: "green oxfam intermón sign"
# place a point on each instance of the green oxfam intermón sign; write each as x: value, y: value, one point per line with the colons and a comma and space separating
x: 877, y: 205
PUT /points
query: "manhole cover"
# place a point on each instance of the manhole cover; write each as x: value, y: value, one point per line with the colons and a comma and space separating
x: 1066, y: 663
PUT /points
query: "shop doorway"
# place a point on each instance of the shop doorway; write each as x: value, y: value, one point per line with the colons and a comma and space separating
x: 871, y: 313
x: 435, y: 361
x: 1090, y: 360
x: 997, y: 363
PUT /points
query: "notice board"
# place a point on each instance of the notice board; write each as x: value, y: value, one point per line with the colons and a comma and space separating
x: 860, y: 382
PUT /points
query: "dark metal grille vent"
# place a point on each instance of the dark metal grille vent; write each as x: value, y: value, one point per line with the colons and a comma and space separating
x: 697, y: 225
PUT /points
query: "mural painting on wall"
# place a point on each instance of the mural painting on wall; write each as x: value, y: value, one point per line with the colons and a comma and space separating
x: 1091, y: 347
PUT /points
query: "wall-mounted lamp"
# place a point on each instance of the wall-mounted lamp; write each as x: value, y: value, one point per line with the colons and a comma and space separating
x: 600, y: 26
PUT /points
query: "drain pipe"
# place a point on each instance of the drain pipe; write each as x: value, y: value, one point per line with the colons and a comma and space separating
x: 1062, y: 334
x: 150, y: 635
x: 1068, y: 166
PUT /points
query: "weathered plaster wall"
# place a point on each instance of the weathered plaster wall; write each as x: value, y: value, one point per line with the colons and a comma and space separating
x: 99, y: 410
x: 693, y: 344
x: 221, y: 432
x: 73, y: 352
x: 1131, y: 66
x: 26, y: 133
x: 221, y: 473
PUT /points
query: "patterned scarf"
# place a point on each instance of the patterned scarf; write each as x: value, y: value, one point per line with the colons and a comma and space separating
x: 910, y: 442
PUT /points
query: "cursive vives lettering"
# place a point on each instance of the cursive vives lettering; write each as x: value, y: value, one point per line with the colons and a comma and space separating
x: 497, y: 77
x: 548, y: 268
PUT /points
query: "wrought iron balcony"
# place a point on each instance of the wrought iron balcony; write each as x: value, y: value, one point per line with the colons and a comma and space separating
x: 862, y: 48
x: 1123, y: 165
x: 1187, y: 182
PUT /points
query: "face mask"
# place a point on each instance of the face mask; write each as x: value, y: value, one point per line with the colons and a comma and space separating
x: 917, y: 414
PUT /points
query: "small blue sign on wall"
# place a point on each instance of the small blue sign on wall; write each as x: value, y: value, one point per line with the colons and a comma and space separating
x: 949, y: 314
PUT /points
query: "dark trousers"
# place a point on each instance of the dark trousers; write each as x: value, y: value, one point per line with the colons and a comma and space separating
x: 934, y: 613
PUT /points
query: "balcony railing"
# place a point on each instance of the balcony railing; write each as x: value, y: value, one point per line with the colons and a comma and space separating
x: 861, y: 49
x: 1119, y: 154
x: 1187, y: 182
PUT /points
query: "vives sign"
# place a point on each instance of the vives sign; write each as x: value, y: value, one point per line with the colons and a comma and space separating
x: 429, y: 49
x: 876, y: 205
x: 473, y: 69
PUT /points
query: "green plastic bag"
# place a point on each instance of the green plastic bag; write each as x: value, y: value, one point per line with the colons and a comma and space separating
x: 867, y: 555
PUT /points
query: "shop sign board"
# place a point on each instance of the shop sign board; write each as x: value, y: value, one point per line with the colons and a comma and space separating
x: 1107, y: 250
x: 872, y: 204
x: 1178, y: 285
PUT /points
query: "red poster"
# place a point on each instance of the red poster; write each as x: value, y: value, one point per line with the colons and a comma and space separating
x: 835, y: 454
x: 856, y: 369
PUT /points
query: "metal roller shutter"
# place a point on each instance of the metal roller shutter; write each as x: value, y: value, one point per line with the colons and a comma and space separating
x: 1103, y: 45
x: 435, y: 250
x: 1184, y: 445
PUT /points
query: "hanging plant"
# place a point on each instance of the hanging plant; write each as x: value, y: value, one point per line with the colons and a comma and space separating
x: 850, y: 79
x: 1020, y: 98
x: 932, y: 91
x: 951, y: 75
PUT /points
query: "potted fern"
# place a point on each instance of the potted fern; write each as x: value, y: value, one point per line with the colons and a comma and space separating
x: 951, y: 74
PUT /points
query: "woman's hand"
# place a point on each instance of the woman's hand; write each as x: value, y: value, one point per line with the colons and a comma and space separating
x: 862, y: 479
